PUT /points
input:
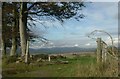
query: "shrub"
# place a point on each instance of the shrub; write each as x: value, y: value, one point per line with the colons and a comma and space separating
x: 60, y: 56
x: 10, y: 59
x: 43, y: 56
x: 53, y: 57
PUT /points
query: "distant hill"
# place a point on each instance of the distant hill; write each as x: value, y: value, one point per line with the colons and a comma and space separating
x: 61, y: 50
x: 55, y: 50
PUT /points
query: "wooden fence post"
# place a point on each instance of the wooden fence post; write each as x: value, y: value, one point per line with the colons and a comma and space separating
x: 104, y: 53
x: 48, y: 57
x: 99, y: 50
x: 118, y: 62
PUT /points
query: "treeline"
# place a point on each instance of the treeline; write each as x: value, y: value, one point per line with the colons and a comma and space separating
x: 15, y: 16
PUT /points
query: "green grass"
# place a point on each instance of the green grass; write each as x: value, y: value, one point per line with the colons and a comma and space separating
x: 80, y: 66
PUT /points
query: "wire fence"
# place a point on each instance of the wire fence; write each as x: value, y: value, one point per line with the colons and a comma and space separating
x: 104, y: 52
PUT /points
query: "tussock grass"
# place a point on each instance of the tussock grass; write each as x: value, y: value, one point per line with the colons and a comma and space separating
x: 78, y: 66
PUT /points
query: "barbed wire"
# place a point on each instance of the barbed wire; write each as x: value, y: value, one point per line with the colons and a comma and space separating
x: 114, y: 56
x: 95, y: 38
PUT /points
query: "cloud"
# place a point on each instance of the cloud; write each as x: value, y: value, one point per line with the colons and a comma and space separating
x: 88, y: 44
x: 101, y: 11
x: 115, y: 40
x: 76, y: 45
x: 99, y: 16
x: 109, y: 41
x: 95, y: 16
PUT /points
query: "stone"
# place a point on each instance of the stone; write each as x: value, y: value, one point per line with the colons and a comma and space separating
x: 17, y: 62
x: 39, y: 60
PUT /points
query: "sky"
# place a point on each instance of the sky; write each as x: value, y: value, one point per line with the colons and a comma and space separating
x: 73, y: 33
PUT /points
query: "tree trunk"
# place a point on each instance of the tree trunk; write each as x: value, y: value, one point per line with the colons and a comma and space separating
x: 27, y: 53
x: 3, y: 45
x: 14, y: 39
x: 14, y: 47
x: 22, y: 27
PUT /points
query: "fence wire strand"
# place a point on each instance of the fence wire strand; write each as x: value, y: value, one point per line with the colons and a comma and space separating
x: 91, y: 35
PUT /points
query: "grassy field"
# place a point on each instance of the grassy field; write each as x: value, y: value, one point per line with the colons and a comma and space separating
x: 77, y: 66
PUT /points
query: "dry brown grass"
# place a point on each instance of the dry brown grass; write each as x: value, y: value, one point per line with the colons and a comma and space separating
x: 82, y: 65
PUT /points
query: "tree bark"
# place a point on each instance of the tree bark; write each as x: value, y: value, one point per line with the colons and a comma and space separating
x: 3, y: 45
x: 14, y: 47
x: 14, y: 39
x: 27, y: 53
x: 22, y: 28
